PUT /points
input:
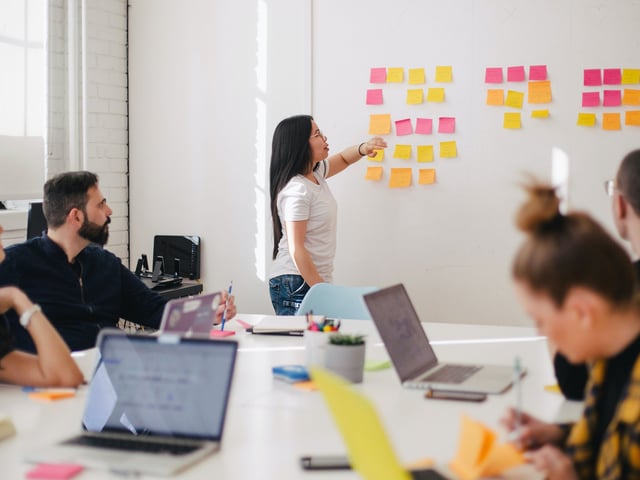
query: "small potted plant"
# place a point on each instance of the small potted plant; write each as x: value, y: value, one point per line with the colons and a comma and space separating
x: 344, y: 355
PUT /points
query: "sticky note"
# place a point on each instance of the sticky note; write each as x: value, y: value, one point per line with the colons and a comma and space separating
x: 378, y: 155
x: 307, y: 386
x: 373, y: 173
x: 424, y: 126
x: 632, y: 118
x: 400, y: 178
x: 444, y: 73
x: 425, y: 153
x: 52, y: 395
x: 514, y: 99
x: 630, y: 76
x: 395, y: 75
x: 435, y: 94
x: 612, y: 76
x: 493, y: 75
x: 448, y: 149
x: 403, y: 127
x: 540, y: 113
x: 55, y: 471
x: 446, y: 125
x: 540, y: 92
x: 515, y: 74
x: 495, y: 97
x: 554, y: 388
x: 376, y: 365
x: 611, y: 121
x: 426, y: 176
x: 592, y: 77
x: 378, y: 75
x: 416, y: 76
x: 611, y: 98
x: 631, y: 97
x: 512, y: 120
x: 590, y: 99
x: 374, y: 96
x: 538, y: 72
x: 380, y: 124
x: 415, y: 96
x: 586, y: 119
x: 402, y: 151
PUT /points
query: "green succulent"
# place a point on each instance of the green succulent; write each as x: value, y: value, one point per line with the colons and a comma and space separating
x: 346, y: 339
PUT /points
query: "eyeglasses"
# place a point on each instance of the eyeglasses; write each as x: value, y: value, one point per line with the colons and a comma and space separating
x: 610, y: 187
x: 318, y: 134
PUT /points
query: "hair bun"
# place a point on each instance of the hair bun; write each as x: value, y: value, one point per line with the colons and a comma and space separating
x: 540, y: 210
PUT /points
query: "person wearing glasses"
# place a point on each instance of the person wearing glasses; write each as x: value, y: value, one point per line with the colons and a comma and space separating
x: 303, y: 210
x: 624, y: 191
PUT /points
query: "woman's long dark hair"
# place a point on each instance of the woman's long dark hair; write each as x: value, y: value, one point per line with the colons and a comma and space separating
x: 290, y: 156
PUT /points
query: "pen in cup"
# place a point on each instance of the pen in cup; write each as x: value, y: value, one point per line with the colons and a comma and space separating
x: 517, y: 374
x: 224, y: 312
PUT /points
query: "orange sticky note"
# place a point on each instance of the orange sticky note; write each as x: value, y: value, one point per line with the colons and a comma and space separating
x: 395, y: 75
x: 512, y: 120
x: 378, y: 157
x: 416, y: 76
x: 373, y: 173
x: 435, y: 94
x: 444, y: 73
x: 540, y: 113
x: 632, y: 118
x: 630, y: 96
x: 495, y: 97
x: 540, y: 92
x: 415, y: 96
x: 586, y: 119
x: 402, y: 151
x: 448, y: 149
x: 52, y: 394
x: 380, y: 124
x: 425, y: 153
x: 426, y: 176
x: 514, y: 99
x: 611, y: 121
x: 308, y: 386
x: 400, y: 178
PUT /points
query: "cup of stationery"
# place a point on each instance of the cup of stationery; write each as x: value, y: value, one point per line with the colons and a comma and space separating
x: 316, y: 338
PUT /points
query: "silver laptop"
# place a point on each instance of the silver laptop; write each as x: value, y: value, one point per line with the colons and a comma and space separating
x: 413, y: 357
x: 155, y: 405
x: 190, y: 316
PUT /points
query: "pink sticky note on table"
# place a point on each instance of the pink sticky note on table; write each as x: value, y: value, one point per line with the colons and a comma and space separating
x: 515, y: 74
x: 374, y: 96
x: 424, y: 126
x: 612, y: 76
x: 378, y: 75
x: 590, y: 99
x: 612, y: 98
x: 55, y: 471
x: 592, y: 77
x: 403, y: 127
x: 537, y: 72
x: 493, y: 75
x: 446, y: 125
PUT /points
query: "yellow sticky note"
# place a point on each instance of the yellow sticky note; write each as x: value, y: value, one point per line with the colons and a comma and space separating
x: 400, y: 178
x: 415, y: 96
x: 378, y: 157
x: 632, y: 118
x: 630, y: 97
x: 630, y: 76
x: 426, y: 176
x: 425, y: 153
x: 395, y: 75
x: 416, y: 76
x: 540, y: 92
x: 512, y: 120
x: 402, y: 151
x: 555, y: 388
x: 448, y: 149
x: 540, y: 113
x: 514, y: 99
x: 444, y: 73
x: 586, y: 119
x: 380, y: 124
x: 435, y: 95
x: 373, y: 173
x: 495, y: 96
x: 611, y: 121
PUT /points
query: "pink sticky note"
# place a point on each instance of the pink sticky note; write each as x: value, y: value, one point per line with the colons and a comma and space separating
x: 537, y: 72
x: 515, y: 74
x: 378, y: 75
x: 374, y: 96
x: 424, y: 126
x: 493, y: 75
x: 612, y: 98
x: 403, y: 127
x: 446, y: 125
x: 590, y: 99
x: 612, y: 76
x: 592, y: 77
x: 55, y: 471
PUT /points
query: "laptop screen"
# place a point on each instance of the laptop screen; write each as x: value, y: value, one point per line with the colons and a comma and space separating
x: 191, y: 315
x: 146, y: 385
x: 401, y: 331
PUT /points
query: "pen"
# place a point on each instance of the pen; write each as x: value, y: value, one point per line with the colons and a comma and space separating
x: 224, y: 312
x: 517, y: 372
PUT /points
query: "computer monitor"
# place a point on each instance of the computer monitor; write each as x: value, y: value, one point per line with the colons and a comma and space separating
x: 184, y: 247
x: 36, y: 223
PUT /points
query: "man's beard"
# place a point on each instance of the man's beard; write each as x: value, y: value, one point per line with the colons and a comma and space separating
x: 94, y: 232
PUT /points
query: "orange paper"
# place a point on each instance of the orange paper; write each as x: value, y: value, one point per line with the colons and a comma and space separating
x: 632, y: 118
x: 540, y: 92
x: 373, y: 173
x: 495, y: 97
x: 400, y: 178
x: 427, y: 176
x: 380, y: 124
x: 630, y: 96
x: 611, y: 121
x: 51, y: 395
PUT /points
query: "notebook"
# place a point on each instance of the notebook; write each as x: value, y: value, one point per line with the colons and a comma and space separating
x: 155, y: 405
x: 369, y: 448
x: 190, y: 316
x: 281, y: 324
x: 413, y: 357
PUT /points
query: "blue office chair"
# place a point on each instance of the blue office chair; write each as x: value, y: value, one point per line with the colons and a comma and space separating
x: 336, y: 301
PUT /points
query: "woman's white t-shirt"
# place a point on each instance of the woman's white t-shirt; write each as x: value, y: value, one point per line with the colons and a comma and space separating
x: 301, y: 199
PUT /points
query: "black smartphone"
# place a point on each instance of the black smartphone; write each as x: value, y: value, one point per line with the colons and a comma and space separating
x: 325, y: 462
x: 454, y: 395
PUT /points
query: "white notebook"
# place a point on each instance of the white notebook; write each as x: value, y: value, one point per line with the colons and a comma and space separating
x: 283, y: 324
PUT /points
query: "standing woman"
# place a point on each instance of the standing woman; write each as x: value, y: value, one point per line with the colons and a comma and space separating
x: 303, y: 210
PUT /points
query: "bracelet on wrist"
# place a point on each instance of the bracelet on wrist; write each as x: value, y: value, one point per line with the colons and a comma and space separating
x: 359, y: 152
x: 25, y: 318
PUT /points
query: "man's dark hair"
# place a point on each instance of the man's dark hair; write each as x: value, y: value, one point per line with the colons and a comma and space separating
x: 628, y: 179
x: 66, y: 191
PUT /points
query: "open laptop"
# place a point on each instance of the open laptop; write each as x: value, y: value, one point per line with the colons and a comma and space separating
x: 413, y: 357
x: 155, y: 405
x: 190, y: 316
x: 370, y: 451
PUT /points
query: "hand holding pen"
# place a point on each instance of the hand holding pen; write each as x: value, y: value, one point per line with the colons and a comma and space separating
x: 228, y: 303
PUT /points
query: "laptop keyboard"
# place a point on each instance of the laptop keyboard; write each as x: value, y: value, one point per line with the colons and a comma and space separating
x: 132, y: 445
x: 452, y: 374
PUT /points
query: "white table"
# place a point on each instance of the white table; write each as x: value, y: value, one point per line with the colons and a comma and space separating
x: 270, y: 424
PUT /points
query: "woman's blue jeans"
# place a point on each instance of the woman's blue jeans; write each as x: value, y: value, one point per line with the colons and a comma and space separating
x: 287, y: 292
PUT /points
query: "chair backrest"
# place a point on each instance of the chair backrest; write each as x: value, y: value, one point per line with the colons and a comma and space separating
x: 336, y: 301
x: 36, y: 223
